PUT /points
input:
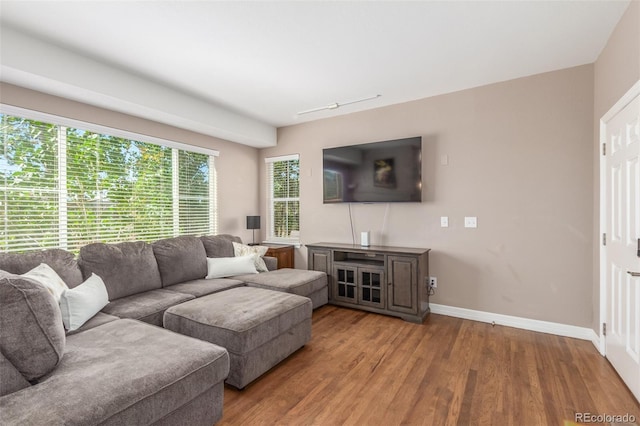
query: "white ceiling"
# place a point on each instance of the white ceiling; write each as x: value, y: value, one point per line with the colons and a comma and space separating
x: 254, y: 65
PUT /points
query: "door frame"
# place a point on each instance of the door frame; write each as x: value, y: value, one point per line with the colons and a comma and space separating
x: 615, y: 109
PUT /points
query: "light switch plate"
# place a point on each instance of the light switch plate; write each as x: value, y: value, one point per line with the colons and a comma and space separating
x: 444, y: 221
x: 470, y: 222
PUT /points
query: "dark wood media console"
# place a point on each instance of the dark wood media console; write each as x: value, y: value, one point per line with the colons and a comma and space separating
x: 382, y: 279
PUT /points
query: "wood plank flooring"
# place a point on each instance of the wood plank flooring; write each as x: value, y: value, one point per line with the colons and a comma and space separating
x: 367, y: 369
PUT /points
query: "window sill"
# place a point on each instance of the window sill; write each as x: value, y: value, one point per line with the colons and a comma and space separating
x: 296, y: 244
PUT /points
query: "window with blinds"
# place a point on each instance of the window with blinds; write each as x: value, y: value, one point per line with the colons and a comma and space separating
x: 65, y: 187
x: 283, y: 203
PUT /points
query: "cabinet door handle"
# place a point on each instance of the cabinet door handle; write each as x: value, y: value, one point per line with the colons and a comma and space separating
x: 633, y: 274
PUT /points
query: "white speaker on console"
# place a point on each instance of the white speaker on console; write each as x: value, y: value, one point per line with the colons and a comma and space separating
x: 364, y: 239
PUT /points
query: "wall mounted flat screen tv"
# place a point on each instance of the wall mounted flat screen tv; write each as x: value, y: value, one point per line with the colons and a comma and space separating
x: 379, y: 172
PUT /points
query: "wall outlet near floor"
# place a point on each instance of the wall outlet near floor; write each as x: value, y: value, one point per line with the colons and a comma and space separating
x: 433, y: 282
x: 470, y: 222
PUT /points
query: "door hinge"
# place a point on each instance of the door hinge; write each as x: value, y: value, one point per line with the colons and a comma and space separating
x: 604, y: 149
x: 604, y: 328
x: 604, y: 239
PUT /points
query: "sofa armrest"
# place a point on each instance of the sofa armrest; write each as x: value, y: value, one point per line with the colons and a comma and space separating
x: 271, y: 262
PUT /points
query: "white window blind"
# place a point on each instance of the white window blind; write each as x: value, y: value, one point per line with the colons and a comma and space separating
x: 67, y: 187
x: 283, y: 201
x: 29, y: 189
x: 194, y: 194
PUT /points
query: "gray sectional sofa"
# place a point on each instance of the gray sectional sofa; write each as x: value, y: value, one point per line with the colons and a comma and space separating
x: 161, y: 350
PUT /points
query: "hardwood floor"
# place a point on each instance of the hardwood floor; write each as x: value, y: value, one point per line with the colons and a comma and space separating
x: 366, y: 369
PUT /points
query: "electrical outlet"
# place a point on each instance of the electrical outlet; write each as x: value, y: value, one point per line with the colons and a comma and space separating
x: 470, y: 222
x: 433, y: 282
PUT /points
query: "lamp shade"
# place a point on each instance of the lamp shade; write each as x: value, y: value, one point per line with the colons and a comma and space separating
x: 253, y: 222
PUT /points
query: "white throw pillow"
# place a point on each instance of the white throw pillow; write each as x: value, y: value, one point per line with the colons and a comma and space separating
x: 81, y: 303
x: 45, y: 275
x: 221, y: 267
x: 244, y: 250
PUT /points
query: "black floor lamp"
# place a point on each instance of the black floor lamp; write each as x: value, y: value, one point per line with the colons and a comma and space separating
x: 253, y: 223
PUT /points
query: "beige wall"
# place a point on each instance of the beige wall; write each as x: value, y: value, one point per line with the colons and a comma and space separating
x: 237, y: 165
x: 615, y: 71
x: 519, y: 158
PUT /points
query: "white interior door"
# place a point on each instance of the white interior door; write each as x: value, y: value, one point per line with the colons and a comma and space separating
x: 621, y: 133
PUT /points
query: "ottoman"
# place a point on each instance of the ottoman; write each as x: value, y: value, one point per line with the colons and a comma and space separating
x: 258, y: 327
x: 311, y: 284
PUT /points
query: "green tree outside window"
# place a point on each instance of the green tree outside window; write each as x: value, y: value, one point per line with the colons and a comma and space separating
x: 67, y: 187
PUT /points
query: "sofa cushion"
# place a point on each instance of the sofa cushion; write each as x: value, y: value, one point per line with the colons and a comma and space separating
x: 61, y: 261
x: 32, y: 336
x: 270, y: 262
x: 148, y: 306
x: 124, y: 372
x: 126, y: 268
x: 180, y: 259
x: 296, y: 281
x: 78, y: 305
x: 199, y: 288
x: 219, y: 245
x: 98, y: 319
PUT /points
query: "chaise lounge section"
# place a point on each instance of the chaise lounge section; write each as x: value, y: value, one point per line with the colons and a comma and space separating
x: 120, y: 372
x: 311, y: 284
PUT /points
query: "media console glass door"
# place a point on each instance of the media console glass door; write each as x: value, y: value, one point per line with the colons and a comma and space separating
x: 371, y: 287
x: 345, y: 283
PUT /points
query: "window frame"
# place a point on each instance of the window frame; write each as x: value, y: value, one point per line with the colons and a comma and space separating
x: 270, y: 235
x: 62, y: 123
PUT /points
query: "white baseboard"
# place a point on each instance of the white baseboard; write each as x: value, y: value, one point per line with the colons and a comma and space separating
x: 582, y: 333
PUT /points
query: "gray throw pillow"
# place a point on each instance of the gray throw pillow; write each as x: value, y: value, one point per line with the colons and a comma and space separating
x: 32, y: 336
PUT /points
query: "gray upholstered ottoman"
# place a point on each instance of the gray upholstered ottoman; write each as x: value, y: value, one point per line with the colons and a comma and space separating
x: 311, y: 284
x: 258, y: 327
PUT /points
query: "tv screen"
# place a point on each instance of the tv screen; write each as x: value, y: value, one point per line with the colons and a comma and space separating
x: 379, y: 172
